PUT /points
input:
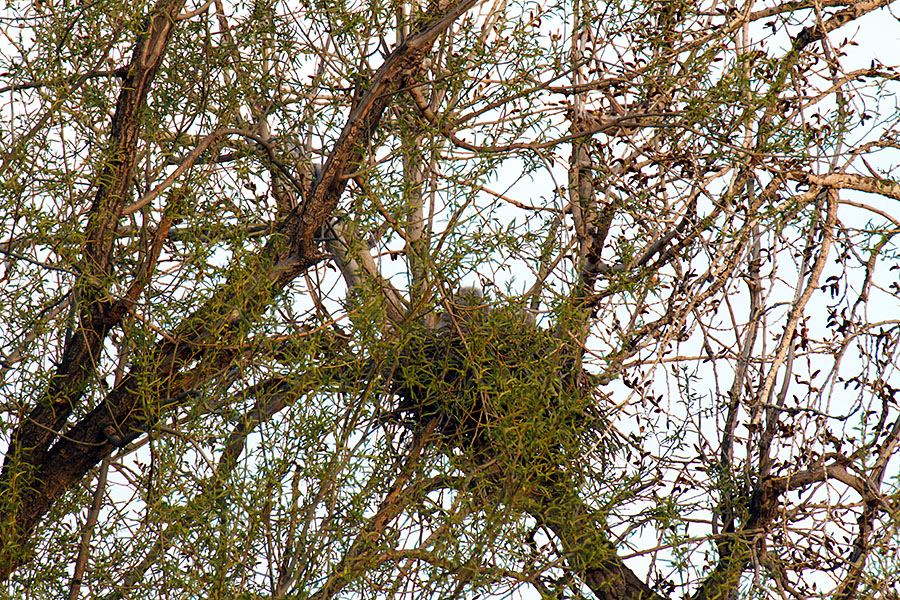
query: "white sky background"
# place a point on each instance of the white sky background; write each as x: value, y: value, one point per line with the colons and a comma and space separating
x: 537, y: 191
x: 878, y: 38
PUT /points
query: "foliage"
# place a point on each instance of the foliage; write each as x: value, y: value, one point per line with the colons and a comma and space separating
x: 449, y: 299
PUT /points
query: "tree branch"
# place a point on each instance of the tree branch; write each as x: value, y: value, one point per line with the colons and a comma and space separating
x: 241, y: 298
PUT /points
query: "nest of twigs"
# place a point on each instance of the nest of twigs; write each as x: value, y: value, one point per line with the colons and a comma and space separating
x: 502, y: 389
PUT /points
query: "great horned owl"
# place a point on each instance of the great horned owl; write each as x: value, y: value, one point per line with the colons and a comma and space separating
x: 467, y: 306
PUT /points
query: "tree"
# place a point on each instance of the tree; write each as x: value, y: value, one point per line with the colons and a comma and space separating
x: 449, y: 299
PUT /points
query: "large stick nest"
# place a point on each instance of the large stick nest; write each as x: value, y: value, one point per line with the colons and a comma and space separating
x: 502, y: 388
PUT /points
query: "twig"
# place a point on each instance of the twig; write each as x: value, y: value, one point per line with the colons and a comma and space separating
x: 87, y: 532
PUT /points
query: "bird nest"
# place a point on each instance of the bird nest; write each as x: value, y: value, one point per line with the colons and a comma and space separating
x: 501, y: 390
